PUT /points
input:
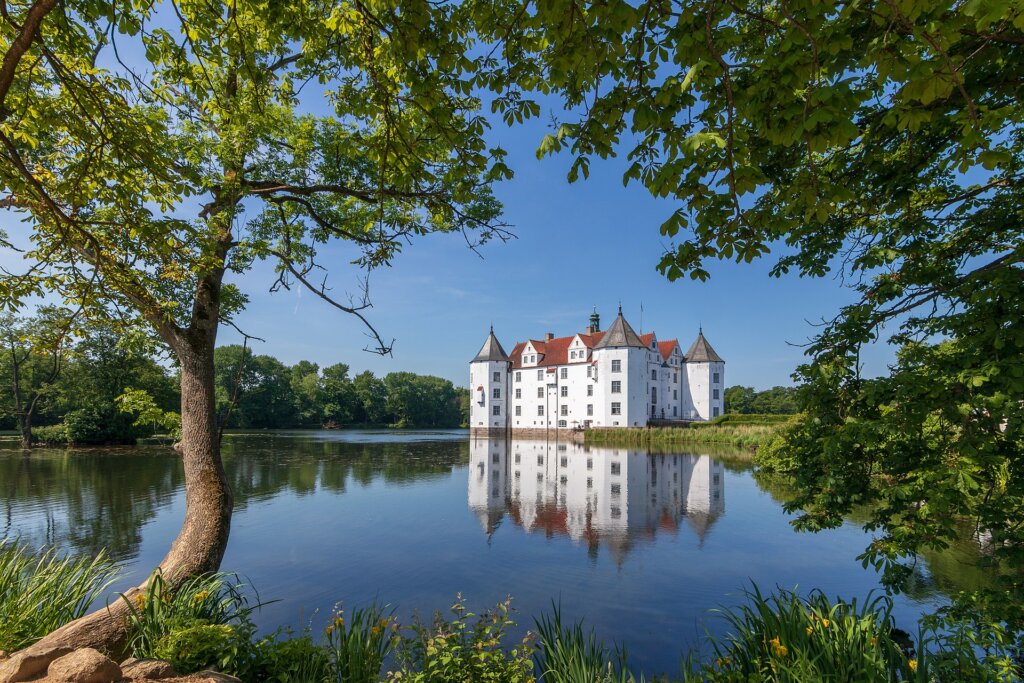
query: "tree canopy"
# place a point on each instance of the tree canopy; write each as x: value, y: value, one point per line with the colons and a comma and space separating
x: 880, y: 142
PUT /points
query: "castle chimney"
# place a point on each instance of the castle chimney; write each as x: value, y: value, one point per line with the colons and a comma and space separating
x: 548, y: 336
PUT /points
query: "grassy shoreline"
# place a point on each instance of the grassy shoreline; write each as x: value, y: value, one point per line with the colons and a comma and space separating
x: 742, y: 431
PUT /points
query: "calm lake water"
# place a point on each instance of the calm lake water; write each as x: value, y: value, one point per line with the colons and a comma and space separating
x: 640, y: 545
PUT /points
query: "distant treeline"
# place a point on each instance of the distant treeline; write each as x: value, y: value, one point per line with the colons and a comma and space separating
x: 774, y: 401
x: 272, y: 395
x: 75, y: 392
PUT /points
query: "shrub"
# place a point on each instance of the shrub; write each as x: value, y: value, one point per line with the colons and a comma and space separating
x: 41, y: 592
x: 291, y: 660
x: 179, y: 625
x: 51, y: 435
x: 464, y: 649
x: 92, y: 426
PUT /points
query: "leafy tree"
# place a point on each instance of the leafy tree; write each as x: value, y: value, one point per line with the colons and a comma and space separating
x: 775, y: 401
x: 372, y: 398
x: 253, y: 392
x: 880, y: 141
x: 341, y: 403
x: 146, y: 185
x: 33, y: 356
x: 306, y: 387
x: 739, y: 400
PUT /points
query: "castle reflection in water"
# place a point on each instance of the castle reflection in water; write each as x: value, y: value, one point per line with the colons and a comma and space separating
x: 598, y: 496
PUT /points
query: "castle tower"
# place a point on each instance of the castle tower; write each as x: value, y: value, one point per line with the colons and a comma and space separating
x: 704, y: 398
x: 488, y: 388
x: 621, y: 389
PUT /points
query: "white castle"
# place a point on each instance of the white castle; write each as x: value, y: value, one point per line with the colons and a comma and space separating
x: 610, y: 378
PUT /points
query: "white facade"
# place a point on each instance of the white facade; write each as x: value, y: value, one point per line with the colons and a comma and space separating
x: 611, y: 378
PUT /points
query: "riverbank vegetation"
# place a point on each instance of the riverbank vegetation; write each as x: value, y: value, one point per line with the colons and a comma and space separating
x: 742, y: 431
x: 100, y: 387
x: 207, y: 623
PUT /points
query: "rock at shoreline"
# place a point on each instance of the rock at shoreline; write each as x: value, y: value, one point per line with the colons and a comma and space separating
x: 25, y: 666
x: 84, y: 666
x: 148, y: 669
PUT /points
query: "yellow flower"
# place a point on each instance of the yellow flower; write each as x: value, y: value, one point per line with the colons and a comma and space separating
x: 778, y: 648
x: 874, y: 641
x: 825, y: 622
x: 912, y: 664
x: 723, y: 662
x: 375, y: 630
x: 140, y: 600
x: 809, y: 630
x: 200, y: 596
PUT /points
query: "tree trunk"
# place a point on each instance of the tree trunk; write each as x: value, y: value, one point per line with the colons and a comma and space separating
x: 203, y: 538
x: 25, y: 428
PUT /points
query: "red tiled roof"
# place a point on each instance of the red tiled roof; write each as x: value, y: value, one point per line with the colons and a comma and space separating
x: 590, y: 340
x: 517, y: 355
x: 666, y: 347
x: 647, y: 339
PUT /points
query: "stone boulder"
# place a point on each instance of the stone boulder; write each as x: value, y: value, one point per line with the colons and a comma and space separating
x: 149, y: 669
x: 84, y: 666
x: 26, y: 665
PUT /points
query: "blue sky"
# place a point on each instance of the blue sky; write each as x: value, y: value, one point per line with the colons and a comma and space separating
x: 592, y: 243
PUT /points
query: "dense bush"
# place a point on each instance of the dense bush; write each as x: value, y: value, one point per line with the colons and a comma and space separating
x: 107, y: 425
x: 40, y: 592
x: 53, y: 435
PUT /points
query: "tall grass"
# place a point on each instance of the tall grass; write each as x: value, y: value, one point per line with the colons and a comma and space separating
x: 40, y: 592
x: 741, y: 435
x: 358, y: 646
x: 567, y: 654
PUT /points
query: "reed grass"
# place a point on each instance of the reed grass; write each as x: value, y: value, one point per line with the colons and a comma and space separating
x: 42, y: 591
x: 750, y: 436
x: 568, y: 654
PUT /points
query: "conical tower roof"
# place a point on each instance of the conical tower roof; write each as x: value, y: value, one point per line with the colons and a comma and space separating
x: 701, y: 351
x: 619, y: 334
x: 491, y: 350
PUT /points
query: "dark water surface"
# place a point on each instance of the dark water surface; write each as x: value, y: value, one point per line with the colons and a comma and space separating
x: 640, y: 545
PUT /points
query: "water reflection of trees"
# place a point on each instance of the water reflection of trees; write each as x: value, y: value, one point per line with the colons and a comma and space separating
x: 89, y: 499
x: 597, y: 496
x: 961, y: 567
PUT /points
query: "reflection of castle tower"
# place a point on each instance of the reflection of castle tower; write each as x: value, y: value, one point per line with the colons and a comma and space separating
x: 488, y: 481
x: 613, y: 497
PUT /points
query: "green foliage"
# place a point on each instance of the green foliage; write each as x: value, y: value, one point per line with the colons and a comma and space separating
x: 39, y: 592
x: 293, y: 659
x: 205, y: 622
x: 52, y: 435
x: 461, y: 649
x: 786, y: 638
x: 358, y: 646
x: 747, y: 432
x: 566, y: 654
x: 774, y: 401
x: 148, y: 414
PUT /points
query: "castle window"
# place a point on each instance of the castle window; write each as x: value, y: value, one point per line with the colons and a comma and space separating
x: 540, y: 375
x: 561, y: 423
x: 590, y: 463
x: 616, y: 387
x: 497, y: 377
x: 519, y: 411
x: 540, y: 410
x: 616, y: 408
x: 654, y: 394
x: 495, y: 458
x: 715, y: 394
x: 563, y: 461
x: 519, y: 376
x: 565, y: 391
x: 590, y: 483
x: 540, y: 392
x: 654, y: 374
x: 616, y: 468
x: 616, y: 489
x: 517, y: 458
x: 496, y: 393
x: 675, y: 411
x: 565, y: 373
x: 675, y: 377
x: 590, y: 409
x: 675, y: 394
x: 616, y: 366
x: 715, y: 412
x: 540, y: 459
x: 519, y: 393
x: 616, y: 513
x: 715, y: 378
x: 590, y: 390
x: 565, y: 409
x: 572, y: 354
x: 496, y: 410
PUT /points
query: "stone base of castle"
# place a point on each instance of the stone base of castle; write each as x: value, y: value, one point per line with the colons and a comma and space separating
x: 552, y: 434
